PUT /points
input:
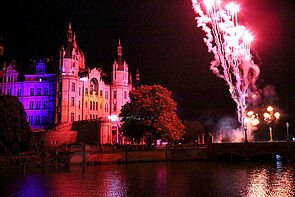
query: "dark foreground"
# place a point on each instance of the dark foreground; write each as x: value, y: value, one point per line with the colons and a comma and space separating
x: 200, y: 178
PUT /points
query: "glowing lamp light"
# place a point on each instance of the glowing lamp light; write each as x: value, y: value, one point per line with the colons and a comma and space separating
x: 269, y: 108
x: 246, y: 120
x: 255, y: 122
x: 277, y: 115
x: 83, y: 79
x: 113, y: 117
x: 250, y: 113
x: 266, y: 115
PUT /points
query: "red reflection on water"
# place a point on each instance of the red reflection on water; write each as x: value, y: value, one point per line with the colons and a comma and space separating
x: 109, y: 181
x: 266, y: 183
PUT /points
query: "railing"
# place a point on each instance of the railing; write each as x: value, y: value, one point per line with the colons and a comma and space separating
x: 74, y: 148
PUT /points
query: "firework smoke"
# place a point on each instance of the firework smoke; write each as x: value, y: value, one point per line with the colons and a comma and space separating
x: 230, y: 44
x: 227, y: 131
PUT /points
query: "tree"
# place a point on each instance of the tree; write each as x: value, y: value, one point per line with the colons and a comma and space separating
x: 193, y: 130
x: 151, y: 115
x: 15, y: 132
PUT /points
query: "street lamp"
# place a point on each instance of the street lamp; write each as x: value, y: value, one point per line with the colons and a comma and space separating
x: 287, y: 125
x: 251, y: 120
x: 270, y: 116
x: 115, y: 118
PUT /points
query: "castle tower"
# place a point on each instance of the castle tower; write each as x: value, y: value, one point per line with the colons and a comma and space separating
x: 120, y: 78
x: 71, y: 61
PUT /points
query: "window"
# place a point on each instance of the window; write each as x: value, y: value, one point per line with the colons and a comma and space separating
x: 86, y: 90
x: 72, y: 116
x: 115, y: 94
x: 100, y: 106
x: 9, y: 91
x: 125, y: 94
x: 73, y: 101
x: 79, y: 104
x: 96, y: 106
x: 44, y: 120
x: 31, y: 105
x: 32, y: 92
x: 45, y: 91
x: 106, y: 95
x: 100, y: 92
x: 79, y: 91
x: 45, y: 104
x: 115, y: 108
x: 90, y: 116
x: 90, y: 105
x: 38, y: 91
x: 73, y: 87
x: 30, y: 120
x: 78, y: 117
x: 37, y: 120
x: 19, y: 92
x: 106, y: 107
x: 38, y: 105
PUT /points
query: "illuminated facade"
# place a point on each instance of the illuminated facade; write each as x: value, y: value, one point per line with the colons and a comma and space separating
x: 74, y: 93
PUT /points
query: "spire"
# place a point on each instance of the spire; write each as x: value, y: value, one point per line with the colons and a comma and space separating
x: 70, y: 33
x: 119, y: 57
x: 119, y: 48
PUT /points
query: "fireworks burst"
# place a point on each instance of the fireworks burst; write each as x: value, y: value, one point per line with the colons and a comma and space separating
x: 230, y: 44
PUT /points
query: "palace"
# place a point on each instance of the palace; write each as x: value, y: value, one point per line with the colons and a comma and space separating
x: 73, y: 93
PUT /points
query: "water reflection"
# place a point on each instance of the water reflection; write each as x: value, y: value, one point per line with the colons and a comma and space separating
x: 109, y: 180
x: 267, y: 181
x: 156, y: 179
x: 33, y: 185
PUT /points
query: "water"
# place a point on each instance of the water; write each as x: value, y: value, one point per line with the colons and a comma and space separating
x: 155, y: 179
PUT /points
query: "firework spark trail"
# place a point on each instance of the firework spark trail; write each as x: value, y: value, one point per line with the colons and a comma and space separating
x: 230, y: 44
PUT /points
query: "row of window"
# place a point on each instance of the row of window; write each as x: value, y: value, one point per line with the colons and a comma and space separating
x: 38, y: 91
x: 32, y: 91
x: 36, y: 120
x: 38, y: 105
x: 100, y: 92
x: 92, y: 116
x: 92, y: 105
x: 8, y: 78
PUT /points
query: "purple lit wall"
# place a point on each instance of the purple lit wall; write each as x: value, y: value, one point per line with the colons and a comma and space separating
x: 36, y: 93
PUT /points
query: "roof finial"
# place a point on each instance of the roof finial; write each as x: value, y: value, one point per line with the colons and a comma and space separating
x: 119, y: 42
x: 70, y: 26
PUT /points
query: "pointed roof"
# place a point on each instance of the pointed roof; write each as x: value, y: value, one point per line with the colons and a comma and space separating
x: 120, y: 58
x: 71, y: 44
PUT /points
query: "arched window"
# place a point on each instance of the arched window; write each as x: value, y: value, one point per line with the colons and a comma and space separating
x: 94, y: 86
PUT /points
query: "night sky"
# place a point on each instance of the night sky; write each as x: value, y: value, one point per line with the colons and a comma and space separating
x: 161, y: 39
